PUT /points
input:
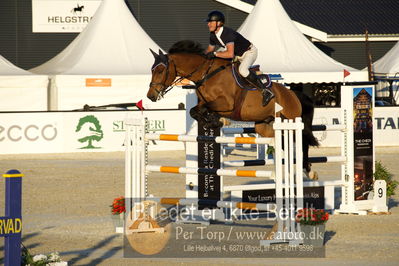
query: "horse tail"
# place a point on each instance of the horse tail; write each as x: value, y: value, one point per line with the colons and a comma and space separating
x: 307, y: 118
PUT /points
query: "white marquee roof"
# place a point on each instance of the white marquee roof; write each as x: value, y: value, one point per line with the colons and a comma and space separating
x: 7, y: 68
x: 389, y: 63
x: 281, y: 45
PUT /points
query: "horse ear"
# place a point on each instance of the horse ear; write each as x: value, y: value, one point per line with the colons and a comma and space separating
x: 154, y: 54
x: 164, y: 57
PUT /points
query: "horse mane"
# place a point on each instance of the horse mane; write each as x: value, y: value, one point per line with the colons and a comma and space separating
x: 186, y: 46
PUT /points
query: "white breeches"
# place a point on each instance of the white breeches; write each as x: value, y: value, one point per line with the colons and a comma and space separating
x: 247, y: 59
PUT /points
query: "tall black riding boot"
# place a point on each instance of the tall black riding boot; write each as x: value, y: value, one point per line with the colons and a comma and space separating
x: 267, y: 94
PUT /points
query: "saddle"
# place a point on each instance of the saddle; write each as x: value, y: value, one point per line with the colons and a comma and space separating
x: 244, y: 83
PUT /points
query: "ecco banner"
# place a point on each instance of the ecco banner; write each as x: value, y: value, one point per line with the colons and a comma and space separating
x: 62, y: 15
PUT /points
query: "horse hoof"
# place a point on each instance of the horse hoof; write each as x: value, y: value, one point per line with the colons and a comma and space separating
x: 313, y: 175
x: 214, y: 124
x: 225, y: 121
x: 305, y: 174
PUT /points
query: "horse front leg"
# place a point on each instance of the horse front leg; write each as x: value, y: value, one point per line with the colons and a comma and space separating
x: 198, y: 113
x: 203, y: 115
x: 220, y: 110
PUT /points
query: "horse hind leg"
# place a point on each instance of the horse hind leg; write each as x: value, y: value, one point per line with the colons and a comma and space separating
x: 307, y: 170
x: 308, y: 139
x: 265, y: 129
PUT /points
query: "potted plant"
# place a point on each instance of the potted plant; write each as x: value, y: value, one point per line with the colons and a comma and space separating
x: 118, y: 211
x: 382, y: 173
x: 312, y: 223
x: 52, y: 259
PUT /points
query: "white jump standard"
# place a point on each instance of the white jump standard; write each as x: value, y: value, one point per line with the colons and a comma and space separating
x: 288, y: 185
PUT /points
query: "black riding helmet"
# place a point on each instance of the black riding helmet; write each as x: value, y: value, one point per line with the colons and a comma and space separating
x: 215, y: 16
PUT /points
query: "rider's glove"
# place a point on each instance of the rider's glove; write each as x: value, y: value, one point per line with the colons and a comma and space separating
x: 210, y: 55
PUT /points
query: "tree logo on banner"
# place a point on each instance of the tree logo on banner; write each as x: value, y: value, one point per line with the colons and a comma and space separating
x: 91, y: 128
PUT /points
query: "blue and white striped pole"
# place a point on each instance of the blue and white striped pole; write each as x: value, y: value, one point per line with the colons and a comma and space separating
x: 11, y: 223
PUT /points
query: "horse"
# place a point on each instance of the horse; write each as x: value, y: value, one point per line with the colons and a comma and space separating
x: 77, y: 9
x: 219, y: 95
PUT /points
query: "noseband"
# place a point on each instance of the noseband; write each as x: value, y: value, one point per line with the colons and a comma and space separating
x: 163, y: 87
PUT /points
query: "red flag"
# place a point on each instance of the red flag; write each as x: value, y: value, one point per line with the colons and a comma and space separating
x: 346, y: 73
x: 139, y: 105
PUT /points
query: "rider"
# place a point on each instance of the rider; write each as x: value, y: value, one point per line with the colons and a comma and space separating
x: 235, y: 46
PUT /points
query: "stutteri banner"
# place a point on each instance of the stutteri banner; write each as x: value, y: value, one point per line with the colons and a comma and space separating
x: 62, y: 15
x: 59, y: 132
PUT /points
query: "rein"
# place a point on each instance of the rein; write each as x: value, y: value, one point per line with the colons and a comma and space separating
x: 198, y: 84
x: 164, y: 88
x: 207, y: 76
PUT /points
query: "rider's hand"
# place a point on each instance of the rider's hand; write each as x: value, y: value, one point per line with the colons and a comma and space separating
x: 210, y: 55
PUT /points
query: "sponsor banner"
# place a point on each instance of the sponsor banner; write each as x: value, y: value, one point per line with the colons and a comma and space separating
x: 313, y: 197
x: 209, y: 158
x: 60, y: 16
x: 363, y: 142
x: 59, y: 132
x: 386, y: 126
x: 98, y: 82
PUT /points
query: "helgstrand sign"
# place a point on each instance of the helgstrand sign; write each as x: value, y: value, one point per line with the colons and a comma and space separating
x: 62, y: 15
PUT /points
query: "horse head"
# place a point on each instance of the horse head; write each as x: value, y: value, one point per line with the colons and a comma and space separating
x: 163, y: 75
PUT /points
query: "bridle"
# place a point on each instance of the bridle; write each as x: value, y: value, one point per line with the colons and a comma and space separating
x: 163, y: 88
x: 166, y: 88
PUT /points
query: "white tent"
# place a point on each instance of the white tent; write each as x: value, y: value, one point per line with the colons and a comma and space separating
x: 108, y: 62
x: 8, y: 68
x: 282, y: 48
x: 386, y: 71
x: 389, y: 63
x: 20, y: 90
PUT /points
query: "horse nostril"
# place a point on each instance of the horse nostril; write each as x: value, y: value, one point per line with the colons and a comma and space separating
x: 151, y: 97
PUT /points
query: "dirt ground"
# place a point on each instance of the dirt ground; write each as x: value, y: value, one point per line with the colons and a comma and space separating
x: 67, y: 198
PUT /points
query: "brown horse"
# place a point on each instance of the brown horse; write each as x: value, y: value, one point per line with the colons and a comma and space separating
x: 220, y: 96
